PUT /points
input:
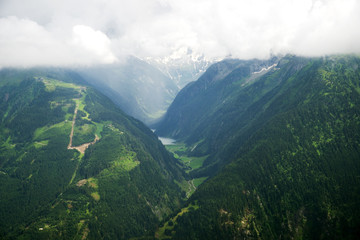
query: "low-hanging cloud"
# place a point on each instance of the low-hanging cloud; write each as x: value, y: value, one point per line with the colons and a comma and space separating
x: 25, y: 43
x: 85, y: 32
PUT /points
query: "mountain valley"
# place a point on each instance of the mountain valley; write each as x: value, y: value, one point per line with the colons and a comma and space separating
x: 281, y: 145
x: 265, y: 149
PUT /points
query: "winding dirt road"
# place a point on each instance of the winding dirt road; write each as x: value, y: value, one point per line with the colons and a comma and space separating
x: 84, y: 146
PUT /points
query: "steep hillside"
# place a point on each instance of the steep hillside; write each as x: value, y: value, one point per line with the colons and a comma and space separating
x: 284, y: 150
x: 74, y: 166
x: 199, y: 99
x: 140, y: 89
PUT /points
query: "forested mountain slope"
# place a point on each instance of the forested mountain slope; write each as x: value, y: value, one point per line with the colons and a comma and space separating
x: 74, y: 166
x: 284, y: 150
x: 199, y: 99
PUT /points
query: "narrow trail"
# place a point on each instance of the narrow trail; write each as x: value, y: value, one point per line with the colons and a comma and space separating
x: 84, y: 146
x: 73, y: 125
x: 80, y: 148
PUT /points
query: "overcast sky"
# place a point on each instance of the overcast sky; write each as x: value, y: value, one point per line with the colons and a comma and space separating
x: 84, y: 32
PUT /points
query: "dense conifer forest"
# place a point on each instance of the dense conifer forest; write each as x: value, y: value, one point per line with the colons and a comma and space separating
x: 111, y: 179
x: 283, y: 147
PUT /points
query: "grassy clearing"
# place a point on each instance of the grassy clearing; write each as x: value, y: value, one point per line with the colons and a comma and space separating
x: 199, y: 181
x: 86, y: 132
x: 83, y: 134
x: 112, y: 128
x: 127, y: 162
x: 96, y: 196
x: 93, y: 182
x: 52, y: 84
x: 41, y: 144
x: 81, y: 106
x: 48, y: 131
x: 169, y: 225
x: 197, y: 162
x: 180, y: 152
x: 85, y: 129
x: 99, y: 129
x: 69, y: 117
x: 178, y: 148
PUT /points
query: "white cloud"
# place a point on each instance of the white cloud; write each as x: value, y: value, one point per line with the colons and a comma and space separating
x: 25, y: 43
x: 67, y: 32
x: 93, y: 41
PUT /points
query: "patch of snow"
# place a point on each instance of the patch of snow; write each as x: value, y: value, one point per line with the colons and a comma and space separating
x: 265, y: 69
x: 182, y: 66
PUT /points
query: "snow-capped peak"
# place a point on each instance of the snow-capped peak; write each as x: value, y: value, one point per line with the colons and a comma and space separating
x: 183, y: 65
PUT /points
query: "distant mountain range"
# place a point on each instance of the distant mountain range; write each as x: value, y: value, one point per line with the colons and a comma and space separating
x: 282, y: 144
x: 182, y: 66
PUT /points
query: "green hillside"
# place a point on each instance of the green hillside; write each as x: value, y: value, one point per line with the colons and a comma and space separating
x: 74, y: 166
x: 284, y: 150
x: 198, y: 100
